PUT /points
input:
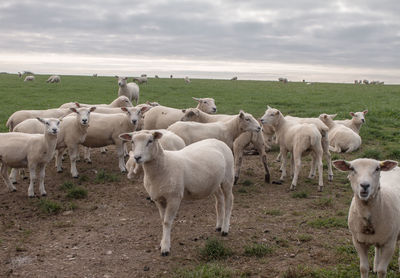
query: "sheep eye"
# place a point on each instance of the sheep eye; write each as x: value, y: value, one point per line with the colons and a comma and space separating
x: 47, y: 123
x: 248, y: 120
x: 205, y: 102
x: 377, y: 169
x: 149, y: 142
x: 351, y: 169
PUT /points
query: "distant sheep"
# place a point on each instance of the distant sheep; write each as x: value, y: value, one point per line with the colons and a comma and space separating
x: 54, y: 79
x: 156, y: 76
x: 140, y: 80
x: 29, y: 78
x: 94, y: 74
x: 143, y: 75
x: 365, y: 81
x: 187, y: 80
x: 130, y: 90
x: 19, y: 74
x: 171, y: 76
x: 283, y: 80
x: 234, y: 78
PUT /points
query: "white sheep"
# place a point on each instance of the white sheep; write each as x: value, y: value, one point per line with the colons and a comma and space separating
x: 234, y: 78
x: 32, y: 151
x: 121, y: 101
x: 202, y: 169
x: 187, y: 80
x: 283, y: 80
x: 169, y: 141
x: 341, y: 138
x: 241, y: 142
x: 140, y: 80
x: 94, y: 74
x: 143, y: 75
x: 29, y: 78
x: 22, y: 115
x: 374, y: 210
x: 104, y: 130
x: 358, y: 119
x: 298, y: 139
x: 54, y: 79
x: 130, y: 90
x: 161, y: 117
x: 156, y: 76
x: 19, y: 74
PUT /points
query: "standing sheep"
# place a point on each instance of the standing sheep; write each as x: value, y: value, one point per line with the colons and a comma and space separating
x: 140, y: 80
x: 374, y: 210
x: 32, y: 151
x: 130, y: 90
x: 19, y: 74
x: 187, y: 80
x: 195, y: 172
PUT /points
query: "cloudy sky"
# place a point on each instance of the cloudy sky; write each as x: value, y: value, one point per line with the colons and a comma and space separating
x: 337, y: 40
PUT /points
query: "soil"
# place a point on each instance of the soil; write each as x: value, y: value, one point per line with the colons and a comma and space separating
x: 116, y: 231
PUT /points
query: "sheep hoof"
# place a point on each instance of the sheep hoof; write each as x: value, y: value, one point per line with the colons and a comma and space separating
x: 224, y: 234
x: 164, y: 254
x: 75, y: 177
x: 89, y: 162
x: 31, y: 196
x: 267, y: 178
x: 218, y: 229
x: 320, y: 189
x: 292, y: 187
x: 60, y: 171
x: 44, y: 194
x: 236, y: 180
x: 14, y: 182
x: 25, y: 178
x: 124, y: 171
x: 330, y: 178
x: 14, y: 190
x: 277, y: 182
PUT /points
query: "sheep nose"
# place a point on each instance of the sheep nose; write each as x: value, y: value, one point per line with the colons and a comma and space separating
x: 134, y: 121
x: 84, y: 121
x: 363, y: 120
x: 214, y: 109
x: 55, y: 130
x: 137, y: 157
x: 258, y: 129
x: 262, y: 121
x: 365, y: 186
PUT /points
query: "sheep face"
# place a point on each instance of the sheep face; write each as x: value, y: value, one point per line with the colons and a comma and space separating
x: 52, y: 125
x: 207, y: 105
x: 327, y: 119
x: 358, y: 117
x: 364, y: 175
x: 123, y: 101
x: 122, y: 81
x: 145, y: 145
x: 248, y: 123
x: 83, y: 114
x: 271, y: 116
x: 134, y: 114
x: 191, y: 114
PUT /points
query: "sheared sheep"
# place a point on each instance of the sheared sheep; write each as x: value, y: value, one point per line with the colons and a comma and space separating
x: 130, y: 90
x: 29, y: 78
x: 54, y: 79
x: 358, y: 119
x: 140, y: 80
x: 121, y: 101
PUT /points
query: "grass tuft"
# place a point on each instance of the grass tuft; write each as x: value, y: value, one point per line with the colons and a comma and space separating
x: 372, y: 153
x: 274, y: 212
x: 103, y: 177
x: 330, y: 222
x: 77, y: 192
x: 49, y: 207
x: 257, y: 250
x: 215, y: 249
x: 206, y: 271
x: 300, y: 195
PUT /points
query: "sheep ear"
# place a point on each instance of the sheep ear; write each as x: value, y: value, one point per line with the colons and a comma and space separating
x: 183, y: 110
x: 92, y: 108
x: 352, y: 114
x: 387, y: 165
x: 157, y: 135
x: 73, y: 110
x: 77, y: 104
x: 125, y: 136
x: 341, y: 165
x: 241, y: 114
x: 333, y: 116
x: 125, y: 110
x: 144, y: 109
x: 196, y: 99
x: 269, y: 107
x: 41, y: 120
x: 365, y: 112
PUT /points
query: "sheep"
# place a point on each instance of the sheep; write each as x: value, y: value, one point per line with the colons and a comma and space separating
x: 73, y: 130
x: 161, y: 117
x: 32, y: 151
x: 121, y: 101
x: 187, y: 80
x: 341, y: 138
x: 22, y: 115
x: 19, y: 74
x: 374, y: 210
x: 298, y: 139
x: 358, y: 119
x: 94, y: 74
x: 365, y: 81
x: 169, y: 141
x: 323, y: 129
x: 28, y: 72
x: 171, y: 76
x: 156, y: 76
x: 283, y: 80
x: 234, y: 78
x: 130, y: 90
x: 54, y: 79
x: 29, y: 78
x: 140, y: 80
x: 104, y: 130
x: 143, y: 75
x: 202, y: 169
x: 244, y: 139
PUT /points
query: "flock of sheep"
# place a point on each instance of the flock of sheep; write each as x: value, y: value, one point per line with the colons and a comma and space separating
x: 194, y: 153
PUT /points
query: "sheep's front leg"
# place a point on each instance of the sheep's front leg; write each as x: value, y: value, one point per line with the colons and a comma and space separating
x: 238, y: 147
x: 376, y: 259
x: 228, y: 198
x: 42, y: 172
x: 297, y: 166
x: 220, y: 208
x: 86, y: 155
x: 171, y: 210
x: 120, y: 153
x: 32, y: 176
x: 284, y: 163
x: 325, y: 147
x: 259, y: 145
x: 385, y: 256
x: 13, y: 176
x: 59, y: 156
x: 362, y: 250
x: 73, y: 155
x: 4, y: 174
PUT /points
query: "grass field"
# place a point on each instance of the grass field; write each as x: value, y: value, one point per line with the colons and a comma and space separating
x: 308, y: 219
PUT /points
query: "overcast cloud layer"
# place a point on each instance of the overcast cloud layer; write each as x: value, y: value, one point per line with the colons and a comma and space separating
x: 362, y: 34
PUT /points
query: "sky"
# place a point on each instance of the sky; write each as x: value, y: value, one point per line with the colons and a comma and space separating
x: 325, y: 41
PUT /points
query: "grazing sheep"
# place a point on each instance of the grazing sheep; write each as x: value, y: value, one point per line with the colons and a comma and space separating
x: 161, y: 117
x: 29, y: 78
x: 104, y: 130
x: 341, y: 138
x: 298, y: 139
x: 156, y: 76
x: 358, y: 119
x: 73, y: 130
x: 19, y: 74
x: 187, y: 80
x: 365, y: 81
x: 140, y: 80
x: 94, y: 74
x: 130, y: 90
x: 283, y: 80
x: 374, y: 210
x: 234, y: 78
x: 121, y: 101
x: 244, y: 139
x: 54, y: 79
x: 32, y: 151
x: 169, y: 141
x: 202, y: 169
x: 22, y: 115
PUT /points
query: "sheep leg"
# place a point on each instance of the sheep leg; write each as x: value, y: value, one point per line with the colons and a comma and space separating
x: 59, y: 155
x: 238, y: 147
x: 297, y: 166
x: 171, y: 210
x: 325, y: 148
x: 313, y: 166
x: 22, y: 173
x: 161, y: 205
x: 73, y: 155
x: 259, y: 145
x: 13, y: 176
x: 278, y: 158
x: 284, y: 163
x: 120, y: 153
x: 378, y: 252
x: 103, y: 150
x: 228, y: 196
x: 42, y: 173
x: 6, y: 178
x: 126, y: 152
x: 362, y: 250
x: 32, y: 176
x: 86, y: 155
x: 320, y: 171
x: 385, y: 257
x: 219, y: 207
